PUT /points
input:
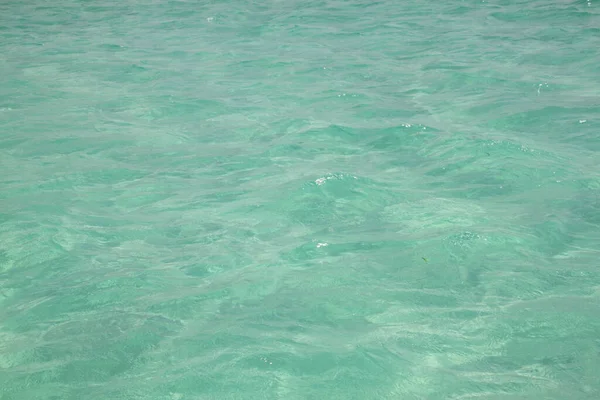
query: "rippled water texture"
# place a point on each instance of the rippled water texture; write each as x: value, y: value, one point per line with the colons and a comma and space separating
x: 299, y: 200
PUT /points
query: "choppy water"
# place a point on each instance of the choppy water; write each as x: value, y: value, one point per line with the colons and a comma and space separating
x: 299, y: 200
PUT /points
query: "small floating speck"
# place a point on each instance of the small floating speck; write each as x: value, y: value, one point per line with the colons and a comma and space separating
x: 322, y: 180
x: 582, y: 121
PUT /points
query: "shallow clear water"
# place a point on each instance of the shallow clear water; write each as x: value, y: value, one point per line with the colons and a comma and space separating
x: 299, y: 200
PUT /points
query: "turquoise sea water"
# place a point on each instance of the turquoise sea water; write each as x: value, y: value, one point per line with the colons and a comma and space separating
x: 299, y: 200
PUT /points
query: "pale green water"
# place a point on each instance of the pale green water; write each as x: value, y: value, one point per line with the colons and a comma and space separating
x: 299, y: 200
